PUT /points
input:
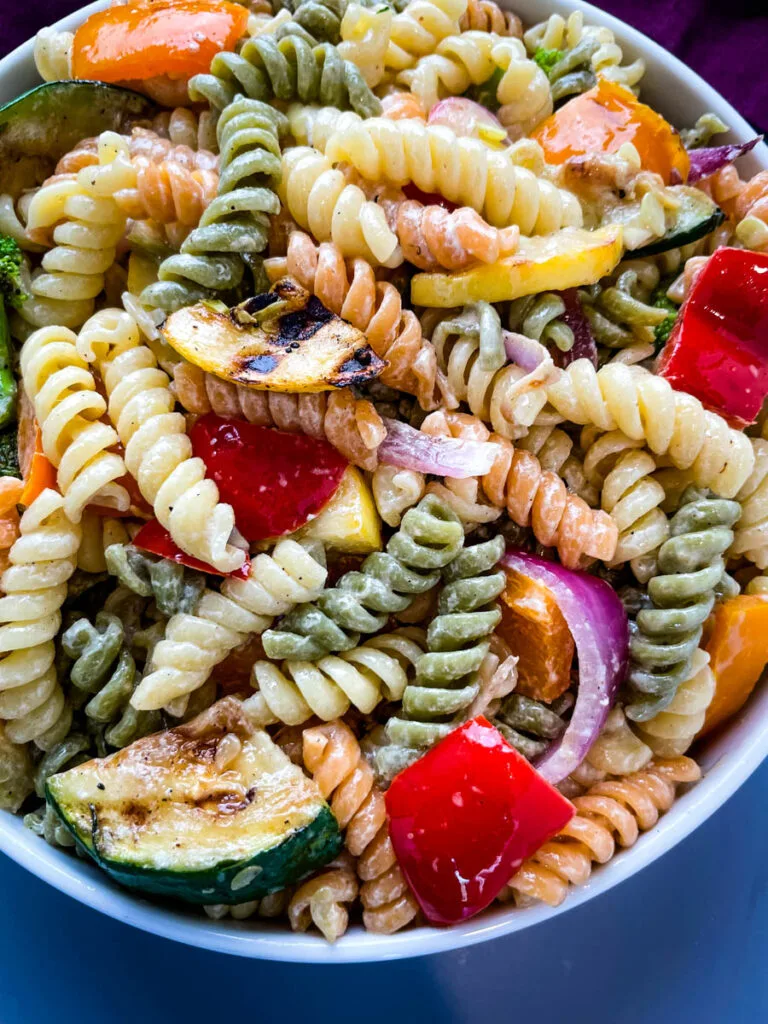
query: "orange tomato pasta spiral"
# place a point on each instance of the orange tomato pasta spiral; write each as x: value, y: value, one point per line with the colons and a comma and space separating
x: 351, y: 424
x: 321, y: 900
x: 487, y: 16
x: 402, y: 106
x: 333, y: 757
x: 611, y: 813
x: 375, y: 308
x: 534, y: 496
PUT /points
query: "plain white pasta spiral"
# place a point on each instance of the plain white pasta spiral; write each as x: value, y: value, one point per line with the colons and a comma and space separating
x: 53, y: 54
x: 87, y: 225
x: 465, y: 171
x: 194, y: 643
x: 321, y: 200
x: 365, y: 35
x: 311, y: 125
x: 42, y: 559
x: 645, y: 407
x: 417, y: 30
x: 672, y: 731
x: 395, y: 490
x: 458, y: 62
x: 629, y: 493
x: 69, y: 409
x: 377, y: 670
x: 158, y: 452
x: 523, y: 92
x: 751, y: 530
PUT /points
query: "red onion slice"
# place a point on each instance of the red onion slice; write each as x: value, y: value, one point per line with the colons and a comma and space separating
x: 527, y: 353
x: 708, y: 159
x: 408, y: 448
x: 598, y: 623
x: 584, y: 344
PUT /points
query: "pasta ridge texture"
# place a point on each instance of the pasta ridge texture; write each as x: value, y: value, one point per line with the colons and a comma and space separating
x: 611, y: 813
x: 417, y: 30
x: 32, y: 703
x: 751, y: 531
x: 158, y: 452
x: 671, y: 732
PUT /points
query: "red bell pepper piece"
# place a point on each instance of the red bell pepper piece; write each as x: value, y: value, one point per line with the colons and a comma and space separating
x: 275, y: 481
x: 154, y: 537
x: 465, y: 816
x: 718, y: 349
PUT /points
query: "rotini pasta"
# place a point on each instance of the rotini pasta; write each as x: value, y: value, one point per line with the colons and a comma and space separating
x: 529, y: 725
x: 174, y: 588
x: 751, y: 530
x: 158, y: 452
x: 417, y: 30
x: 611, y: 813
x: 671, y: 732
x: 321, y: 899
x: 365, y: 34
x: 487, y: 16
x: 32, y: 703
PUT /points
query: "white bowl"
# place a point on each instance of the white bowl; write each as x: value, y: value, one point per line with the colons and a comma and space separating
x: 727, y: 761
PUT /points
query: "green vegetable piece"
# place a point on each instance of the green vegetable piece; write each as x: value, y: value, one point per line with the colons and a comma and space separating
x: 485, y: 93
x: 9, y: 452
x: 40, y: 126
x: 209, y: 812
x: 546, y: 59
x: 661, y: 300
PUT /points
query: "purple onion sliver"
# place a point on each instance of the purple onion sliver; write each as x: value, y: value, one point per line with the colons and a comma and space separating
x: 408, y: 448
x: 527, y: 353
x: 709, y: 159
x: 584, y: 344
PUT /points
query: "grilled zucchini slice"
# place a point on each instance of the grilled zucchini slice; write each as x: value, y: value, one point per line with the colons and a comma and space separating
x: 166, y: 815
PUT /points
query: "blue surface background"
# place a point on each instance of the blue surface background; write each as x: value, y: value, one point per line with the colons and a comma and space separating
x: 684, y: 941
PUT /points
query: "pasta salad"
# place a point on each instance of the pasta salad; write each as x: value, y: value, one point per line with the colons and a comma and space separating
x: 384, y: 454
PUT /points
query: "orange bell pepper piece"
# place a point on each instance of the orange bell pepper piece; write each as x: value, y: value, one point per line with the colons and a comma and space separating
x: 178, y: 38
x: 738, y: 651
x: 535, y: 630
x: 39, y: 473
x: 606, y: 117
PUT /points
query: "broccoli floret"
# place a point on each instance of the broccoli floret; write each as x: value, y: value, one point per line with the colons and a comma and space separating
x: 11, y: 260
x: 546, y: 59
x: 661, y: 300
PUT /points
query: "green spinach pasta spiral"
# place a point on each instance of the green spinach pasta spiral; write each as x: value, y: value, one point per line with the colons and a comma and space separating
x: 430, y: 536
x: 621, y: 314
x: 174, y: 588
x: 665, y: 635
x: 235, y: 226
x: 538, y: 316
x: 286, y: 69
x: 530, y: 725
x: 446, y: 679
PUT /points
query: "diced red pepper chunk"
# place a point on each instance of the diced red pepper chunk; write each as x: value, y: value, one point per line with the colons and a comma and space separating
x: 465, y: 816
x: 718, y: 349
x: 154, y: 537
x: 275, y: 481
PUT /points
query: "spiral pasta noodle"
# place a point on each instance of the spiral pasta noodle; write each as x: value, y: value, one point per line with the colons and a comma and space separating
x: 174, y: 588
x: 446, y: 681
x: 618, y: 750
x: 611, y: 813
x: 321, y: 899
x: 430, y: 536
x: 646, y: 408
x: 333, y: 757
x: 665, y: 635
x: 534, y: 496
x: 235, y: 223
x: 194, y: 643
x: 158, y: 452
x: 87, y: 225
x: 365, y: 34
x: 487, y: 16
x: 376, y: 670
x: 375, y: 308
x: 458, y: 61
x: 69, y: 409
x: 463, y: 170
x: 620, y: 315
x: 32, y: 703
x: 671, y: 732
x: 523, y: 92
x: 751, y: 531
x: 322, y: 201
x: 417, y: 30
x: 538, y: 317
x: 529, y: 725
x: 53, y: 54
x: 285, y: 70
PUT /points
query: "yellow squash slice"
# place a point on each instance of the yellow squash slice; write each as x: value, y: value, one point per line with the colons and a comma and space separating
x: 349, y: 522
x: 566, y: 259
x: 285, y: 340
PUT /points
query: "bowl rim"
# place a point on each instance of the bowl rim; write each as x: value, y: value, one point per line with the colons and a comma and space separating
x: 725, y: 772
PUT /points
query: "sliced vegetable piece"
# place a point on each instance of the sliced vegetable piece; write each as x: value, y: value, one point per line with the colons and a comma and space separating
x: 718, y: 348
x: 536, y: 631
x: 178, y: 38
x: 707, y: 160
x: 465, y: 816
x: 40, y: 126
x: 408, y: 448
x: 469, y: 120
x: 154, y: 537
x: 209, y: 812
x: 275, y: 481
x: 566, y: 259
x: 349, y: 522
x: 738, y: 650
x: 9, y: 451
x: 602, y: 120
x: 285, y: 340
x: 584, y: 344
x: 598, y: 624
x: 695, y: 217
x: 37, y: 472
x: 8, y: 391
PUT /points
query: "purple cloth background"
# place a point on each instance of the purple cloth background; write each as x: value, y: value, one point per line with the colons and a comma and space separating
x: 725, y: 41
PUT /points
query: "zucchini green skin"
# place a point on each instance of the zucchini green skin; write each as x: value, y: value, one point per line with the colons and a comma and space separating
x: 40, y: 126
x: 692, y: 224
x: 8, y: 389
x: 305, y: 850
